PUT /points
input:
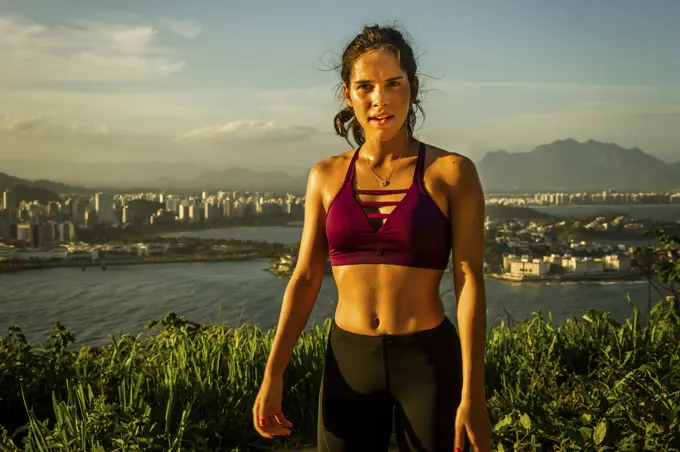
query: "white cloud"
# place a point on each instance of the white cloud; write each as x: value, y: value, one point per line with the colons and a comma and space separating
x: 186, y: 28
x: 82, y: 50
x: 94, y: 141
x: 250, y: 130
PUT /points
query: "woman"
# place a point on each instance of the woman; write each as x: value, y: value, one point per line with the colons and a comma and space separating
x: 389, y: 213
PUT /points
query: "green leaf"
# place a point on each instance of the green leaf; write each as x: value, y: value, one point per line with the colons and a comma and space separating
x: 507, y: 420
x: 586, y: 432
x: 600, y: 432
x: 525, y: 421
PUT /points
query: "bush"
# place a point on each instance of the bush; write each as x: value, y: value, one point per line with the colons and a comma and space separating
x: 594, y: 384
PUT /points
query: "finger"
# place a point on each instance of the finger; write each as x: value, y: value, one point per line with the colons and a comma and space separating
x: 259, y: 421
x: 274, y: 429
x: 460, y: 437
x: 281, y: 419
x: 270, y: 426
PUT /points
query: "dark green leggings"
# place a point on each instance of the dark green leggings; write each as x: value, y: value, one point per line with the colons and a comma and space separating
x: 370, y: 383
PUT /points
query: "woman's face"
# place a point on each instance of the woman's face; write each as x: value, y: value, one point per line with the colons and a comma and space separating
x: 380, y: 94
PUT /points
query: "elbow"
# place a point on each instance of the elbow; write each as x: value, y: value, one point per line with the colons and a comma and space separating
x: 307, y: 276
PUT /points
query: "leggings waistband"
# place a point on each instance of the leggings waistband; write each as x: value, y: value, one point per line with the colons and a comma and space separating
x: 445, y: 328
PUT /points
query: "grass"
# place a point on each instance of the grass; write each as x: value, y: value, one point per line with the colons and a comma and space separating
x: 590, y: 384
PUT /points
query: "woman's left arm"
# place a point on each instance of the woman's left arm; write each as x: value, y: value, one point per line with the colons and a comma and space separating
x: 466, y: 213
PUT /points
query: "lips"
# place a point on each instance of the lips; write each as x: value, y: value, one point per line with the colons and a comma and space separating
x: 381, y: 120
x: 381, y: 117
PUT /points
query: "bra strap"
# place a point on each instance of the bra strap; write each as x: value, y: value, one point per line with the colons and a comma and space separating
x: 419, y: 173
x: 350, y: 170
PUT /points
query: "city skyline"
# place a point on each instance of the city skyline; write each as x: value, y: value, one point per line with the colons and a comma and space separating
x: 227, y: 84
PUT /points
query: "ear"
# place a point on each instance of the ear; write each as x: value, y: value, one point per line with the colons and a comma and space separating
x: 345, y: 92
x: 414, y: 88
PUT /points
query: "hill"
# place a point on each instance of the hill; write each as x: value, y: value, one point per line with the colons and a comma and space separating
x: 28, y: 190
x: 569, y: 165
x: 7, y: 181
x: 237, y: 178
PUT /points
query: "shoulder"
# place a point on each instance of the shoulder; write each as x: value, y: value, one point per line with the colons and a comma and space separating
x: 326, y: 171
x: 333, y: 163
x: 453, y: 168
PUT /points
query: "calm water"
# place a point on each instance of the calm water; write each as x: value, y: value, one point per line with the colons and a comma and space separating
x: 95, y: 303
x: 664, y: 212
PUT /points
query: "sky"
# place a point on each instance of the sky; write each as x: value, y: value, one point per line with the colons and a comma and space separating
x: 250, y: 83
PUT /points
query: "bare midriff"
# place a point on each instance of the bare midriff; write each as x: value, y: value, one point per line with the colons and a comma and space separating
x: 377, y: 299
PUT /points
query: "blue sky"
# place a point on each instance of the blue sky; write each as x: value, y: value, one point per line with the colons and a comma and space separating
x: 243, y: 82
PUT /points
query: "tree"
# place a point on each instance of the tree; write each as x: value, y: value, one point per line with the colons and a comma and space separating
x: 660, y: 265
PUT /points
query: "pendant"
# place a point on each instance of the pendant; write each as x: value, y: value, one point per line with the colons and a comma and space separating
x: 384, y: 183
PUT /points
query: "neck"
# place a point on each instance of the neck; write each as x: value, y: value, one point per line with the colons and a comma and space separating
x: 379, y: 151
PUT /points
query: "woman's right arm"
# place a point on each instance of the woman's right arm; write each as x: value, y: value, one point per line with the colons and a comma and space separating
x: 305, y: 283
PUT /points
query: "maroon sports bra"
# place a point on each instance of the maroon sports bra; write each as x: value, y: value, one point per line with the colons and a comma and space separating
x: 415, y: 234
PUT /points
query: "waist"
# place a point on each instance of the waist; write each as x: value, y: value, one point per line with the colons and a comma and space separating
x: 376, y: 299
x: 434, y: 334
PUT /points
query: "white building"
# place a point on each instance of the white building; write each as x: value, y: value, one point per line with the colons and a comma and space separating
x: 617, y: 262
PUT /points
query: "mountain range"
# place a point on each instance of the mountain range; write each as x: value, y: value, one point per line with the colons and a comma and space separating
x: 41, y: 190
x: 563, y: 165
x: 567, y: 165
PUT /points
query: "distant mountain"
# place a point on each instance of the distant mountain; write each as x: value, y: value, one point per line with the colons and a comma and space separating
x: 7, y: 181
x: 126, y: 175
x: 569, y: 165
x: 26, y: 190
x: 238, y: 179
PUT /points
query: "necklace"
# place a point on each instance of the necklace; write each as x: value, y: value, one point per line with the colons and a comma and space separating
x: 383, y: 182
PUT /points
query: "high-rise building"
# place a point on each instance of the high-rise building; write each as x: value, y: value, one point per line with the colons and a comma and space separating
x: 31, y: 233
x: 9, y: 205
x: 103, y: 205
x: 127, y: 215
x: 50, y: 232
x: 9, y: 200
x: 53, y: 208
x: 67, y: 231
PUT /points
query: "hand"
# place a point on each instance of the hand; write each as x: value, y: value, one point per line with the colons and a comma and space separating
x: 268, y: 419
x: 473, y: 418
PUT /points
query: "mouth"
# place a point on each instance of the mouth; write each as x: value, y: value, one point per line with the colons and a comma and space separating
x: 381, y: 120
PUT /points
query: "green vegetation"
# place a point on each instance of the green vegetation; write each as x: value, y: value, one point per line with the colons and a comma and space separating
x: 591, y: 384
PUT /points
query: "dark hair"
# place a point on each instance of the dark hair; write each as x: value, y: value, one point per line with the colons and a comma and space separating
x: 374, y: 38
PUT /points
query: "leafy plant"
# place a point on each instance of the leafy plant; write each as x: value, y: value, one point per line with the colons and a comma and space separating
x: 591, y: 384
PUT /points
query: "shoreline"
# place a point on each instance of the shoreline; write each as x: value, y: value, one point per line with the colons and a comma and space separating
x: 598, y: 277
x: 613, y: 277
x: 126, y: 262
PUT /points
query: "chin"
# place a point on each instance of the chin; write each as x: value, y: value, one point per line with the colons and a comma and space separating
x: 385, y: 135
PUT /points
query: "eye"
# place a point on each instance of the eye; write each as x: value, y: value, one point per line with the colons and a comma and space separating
x: 363, y: 87
x: 394, y: 83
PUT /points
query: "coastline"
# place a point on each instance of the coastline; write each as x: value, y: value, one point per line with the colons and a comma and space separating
x: 121, y: 262
x: 567, y: 278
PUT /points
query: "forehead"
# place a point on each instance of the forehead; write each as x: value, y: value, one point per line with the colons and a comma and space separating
x: 377, y: 65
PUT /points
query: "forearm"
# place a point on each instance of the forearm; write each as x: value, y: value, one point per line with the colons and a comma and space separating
x: 472, y: 329
x: 298, y: 302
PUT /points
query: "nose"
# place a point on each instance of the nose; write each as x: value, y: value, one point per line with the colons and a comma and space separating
x: 378, y: 97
